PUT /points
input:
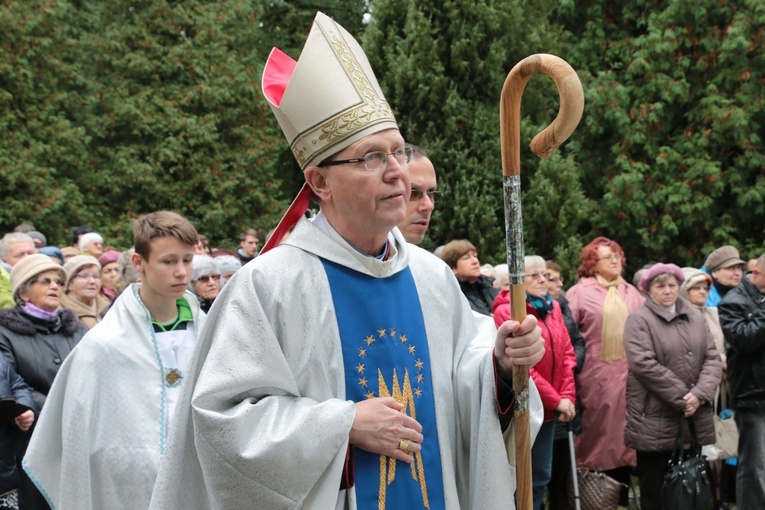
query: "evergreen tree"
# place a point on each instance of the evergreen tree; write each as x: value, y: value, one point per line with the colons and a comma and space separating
x: 671, y: 144
x: 42, y: 146
x: 442, y: 66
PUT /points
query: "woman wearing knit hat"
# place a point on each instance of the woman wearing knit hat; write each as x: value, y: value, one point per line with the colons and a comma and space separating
x: 674, y: 371
x: 111, y: 275
x: 83, y: 290
x: 36, y: 336
x: 695, y: 289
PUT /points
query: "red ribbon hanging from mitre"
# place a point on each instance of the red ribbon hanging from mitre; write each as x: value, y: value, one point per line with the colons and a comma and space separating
x: 276, y: 75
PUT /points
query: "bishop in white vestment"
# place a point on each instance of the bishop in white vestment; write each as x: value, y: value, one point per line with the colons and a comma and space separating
x: 344, y: 368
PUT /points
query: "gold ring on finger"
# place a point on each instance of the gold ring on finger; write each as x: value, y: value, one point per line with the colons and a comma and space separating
x: 403, y: 444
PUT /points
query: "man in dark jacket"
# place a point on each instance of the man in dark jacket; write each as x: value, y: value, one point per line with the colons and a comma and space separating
x: 742, y: 317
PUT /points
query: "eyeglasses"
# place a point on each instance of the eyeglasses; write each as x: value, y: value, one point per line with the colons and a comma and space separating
x: 88, y: 276
x: 612, y: 256
x: 376, y: 160
x: 206, y: 278
x: 48, y: 281
x: 537, y: 276
x: 418, y: 195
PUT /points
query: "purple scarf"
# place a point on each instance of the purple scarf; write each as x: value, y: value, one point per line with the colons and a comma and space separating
x: 34, y: 311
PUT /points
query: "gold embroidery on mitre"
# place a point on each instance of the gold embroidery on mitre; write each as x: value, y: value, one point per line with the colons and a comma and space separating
x: 371, y: 110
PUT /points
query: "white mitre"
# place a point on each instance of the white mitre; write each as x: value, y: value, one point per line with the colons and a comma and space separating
x: 324, y: 102
x: 328, y: 99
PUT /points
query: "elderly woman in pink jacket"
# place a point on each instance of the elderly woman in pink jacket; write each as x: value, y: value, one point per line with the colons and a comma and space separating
x: 600, y: 303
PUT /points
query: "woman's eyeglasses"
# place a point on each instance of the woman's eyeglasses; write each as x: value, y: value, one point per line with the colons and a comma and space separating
x: 47, y: 281
x: 206, y: 278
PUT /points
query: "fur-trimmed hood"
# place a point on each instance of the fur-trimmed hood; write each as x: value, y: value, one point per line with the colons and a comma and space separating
x: 20, y: 323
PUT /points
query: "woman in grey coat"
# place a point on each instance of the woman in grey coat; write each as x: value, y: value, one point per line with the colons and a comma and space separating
x: 674, y: 370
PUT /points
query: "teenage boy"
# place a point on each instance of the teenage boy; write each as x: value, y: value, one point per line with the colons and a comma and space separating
x: 101, y: 438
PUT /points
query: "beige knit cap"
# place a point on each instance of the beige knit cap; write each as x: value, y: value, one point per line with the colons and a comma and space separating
x: 29, y: 267
x: 76, y: 263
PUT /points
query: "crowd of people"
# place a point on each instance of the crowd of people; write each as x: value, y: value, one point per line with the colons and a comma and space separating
x: 51, y: 296
x: 631, y: 360
x: 344, y: 367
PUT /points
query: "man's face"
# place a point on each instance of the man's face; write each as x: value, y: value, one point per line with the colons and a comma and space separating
x: 363, y: 205
x: 729, y: 276
x: 422, y: 177
x: 18, y: 251
x: 250, y: 246
x: 167, y: 272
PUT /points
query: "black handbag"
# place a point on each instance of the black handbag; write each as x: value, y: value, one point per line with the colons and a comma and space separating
x: 686, y: 484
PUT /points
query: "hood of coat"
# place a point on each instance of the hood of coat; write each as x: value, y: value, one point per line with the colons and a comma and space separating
x: 19, y: 322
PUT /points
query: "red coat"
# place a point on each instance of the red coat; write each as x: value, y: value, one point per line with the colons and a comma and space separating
x: 554, y: 374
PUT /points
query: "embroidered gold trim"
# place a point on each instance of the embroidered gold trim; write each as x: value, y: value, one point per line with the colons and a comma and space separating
x: 371, y: 110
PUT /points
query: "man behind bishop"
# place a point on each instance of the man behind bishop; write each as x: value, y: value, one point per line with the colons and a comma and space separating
x: 341, y: 368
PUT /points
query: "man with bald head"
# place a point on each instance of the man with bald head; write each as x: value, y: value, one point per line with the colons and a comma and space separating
x: 425, y: 194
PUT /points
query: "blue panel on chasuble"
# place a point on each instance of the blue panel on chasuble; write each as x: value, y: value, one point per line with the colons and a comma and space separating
x: 385, y: 351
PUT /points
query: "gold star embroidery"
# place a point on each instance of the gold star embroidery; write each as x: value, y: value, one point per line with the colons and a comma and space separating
x: 370, y: 340
x: 419, y: 364
x: 403, y: 339
x: 418, y: 392
x: 370, y: 395
x: 420, y: 378
x: 381, y: 332
x: 363, y: 382
x: 392, y: 332
x: 360, y: 368
x: 362, y: 352
x: 411, y: 349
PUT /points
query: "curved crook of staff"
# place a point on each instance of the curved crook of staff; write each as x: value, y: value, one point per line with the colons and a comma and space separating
x: 543, y: 145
